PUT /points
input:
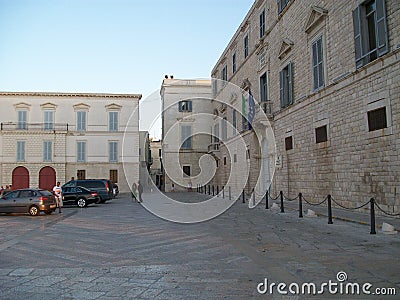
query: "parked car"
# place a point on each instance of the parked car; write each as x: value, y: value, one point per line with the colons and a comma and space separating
x: 115, y: 189
x: 103, y: 187
x: 79, y: 196
x: 31, y: 201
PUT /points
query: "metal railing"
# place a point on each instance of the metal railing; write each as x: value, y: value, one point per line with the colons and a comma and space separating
x: 21, y: 126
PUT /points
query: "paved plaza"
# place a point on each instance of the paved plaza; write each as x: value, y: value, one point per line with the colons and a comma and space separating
x: 119, y: 250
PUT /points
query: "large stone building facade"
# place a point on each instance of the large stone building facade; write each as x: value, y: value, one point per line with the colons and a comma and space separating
x: 327, y: 76
x: 49, y: 137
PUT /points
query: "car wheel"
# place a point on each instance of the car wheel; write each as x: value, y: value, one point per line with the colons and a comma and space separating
x: 48, y: 212
x: 34, y: 210
x: 81, y: 202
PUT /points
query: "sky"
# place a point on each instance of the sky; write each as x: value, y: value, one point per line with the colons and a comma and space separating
x: 112, y: 46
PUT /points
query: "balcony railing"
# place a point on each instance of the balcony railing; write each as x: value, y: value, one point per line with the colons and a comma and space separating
x: 12, y: 126
x: 213, y: 147
x: 266, y: 107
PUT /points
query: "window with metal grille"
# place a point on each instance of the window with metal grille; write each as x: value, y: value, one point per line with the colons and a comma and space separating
x: 377, y: 119
x: 114, y: 176
x: 321, y: 134
x: 289, y: 143
x: 81, y: 174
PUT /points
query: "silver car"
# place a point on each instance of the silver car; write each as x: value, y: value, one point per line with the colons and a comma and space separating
x: 31, y: 201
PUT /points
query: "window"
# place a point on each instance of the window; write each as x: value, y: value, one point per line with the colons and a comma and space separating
x: 244, y: 123
x: 321, y: 134
x: 186, y: 138
x: 112, y: 121
x: 370, y: 31
x: 114, y: 176
x: 263, y: 88
x: 81, y: 151
x: 318, y: 64
x: 377, y: 119
x: 224, y: 74
x: 47, y: 151
x: 224, y: 129
x: 248, y: 154
x: 185, y: 105
x: 20, y: 150
x: 234, y: 157
x: 159, y: 152
x: 113, y: 151
x: 216, y: 133
x: 216, y: 161
x: 246, y: 46
x: 22, y: 116
x: 224, y: 160
x: 186, y: 170
x: 286, y: 86
x: 234, y: 122
x: 282, y: 4
x: 234, y: 63
x: 48, y: 119
x: 81, y: 174
x: 81, y: 120
x: 262, y: 24
x: 288, y: 143
x: 215, y: 86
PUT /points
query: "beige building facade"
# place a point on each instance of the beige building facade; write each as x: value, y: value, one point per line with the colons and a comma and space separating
x: 48, y: 137
x: 327, y: 76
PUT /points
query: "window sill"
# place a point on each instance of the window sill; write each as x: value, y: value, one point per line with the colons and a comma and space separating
x: 323, y: 145
x: 380, y: 133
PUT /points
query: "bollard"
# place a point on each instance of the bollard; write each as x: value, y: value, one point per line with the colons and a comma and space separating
x: 217, y: 191
x: 266, y: 200
x: 213, y: 190
x: 282, y: 208
x: 300, y: 205
x: 243, y: 200
x: 223, y: 192
x: 254, y: 198
x: 330, y: 209
x: 372, y: 201
x: 209, y: 190
x: 229, y: 189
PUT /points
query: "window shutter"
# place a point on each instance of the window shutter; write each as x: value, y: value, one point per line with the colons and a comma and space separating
x: 382, y: 34
x: 180, y: 106
x: 290, y: 83
x: 279, y: 6
x: 282, y: 88
x: 358, y: 38
x: 190, y: 105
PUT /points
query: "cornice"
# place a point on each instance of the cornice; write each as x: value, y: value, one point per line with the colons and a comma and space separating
x: 71, y: 95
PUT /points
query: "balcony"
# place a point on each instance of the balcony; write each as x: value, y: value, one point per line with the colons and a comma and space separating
x: 20, y: 126
x: 266, y: 106
x: 213, y: 147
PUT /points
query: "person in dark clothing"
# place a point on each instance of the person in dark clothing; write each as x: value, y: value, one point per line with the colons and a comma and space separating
x: 140, y: 189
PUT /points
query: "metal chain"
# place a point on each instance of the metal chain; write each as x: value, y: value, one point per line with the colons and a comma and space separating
x: 288, y: 199
x: 386, y: 213
x: 273, y: 199
x: 316, y: 204
x: 358, y: 207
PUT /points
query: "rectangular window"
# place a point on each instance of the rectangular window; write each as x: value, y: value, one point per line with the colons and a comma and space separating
x: 224, y: 160
x: 321, y: 134
x: 263, y: 88
x: 234, y: 122
x: 112, y: 121
x: 186, y: 170
x: 81, y: 174
x: 318, y: 64
x: 81, y: 120
x: 186, y: 139
x: 282, y: 4
x: 47, y: 151
x: 216, y: 133
x: 81, y: 151
x: 224, y: 74
x: 370, y: 31
x: 113, y: 151
x: 262, y: 24
x: 286, y: 85
x: 20, y: 150
x: 48, y: 120
x: 234, y: 157
x: 377, y: 119
x: 234, y: 63
x: 185, y: 105
x: 114, y: 176
x: 289, y: 143
x: 246, y: 46
x: 22, y: 116
x: 224, y: 129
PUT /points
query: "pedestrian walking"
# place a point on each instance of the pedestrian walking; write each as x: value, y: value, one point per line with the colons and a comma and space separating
x: 58, y: 194
x: 140, y: 189
x: 134, y: 192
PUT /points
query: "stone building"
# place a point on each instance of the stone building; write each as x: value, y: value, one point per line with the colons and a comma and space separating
x: 327, y: 75
x: 49, y: 137
x: 156, y: 163
x: 185, y: 136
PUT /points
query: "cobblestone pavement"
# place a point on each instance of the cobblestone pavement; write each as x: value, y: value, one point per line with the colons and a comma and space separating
x: 119, y: 250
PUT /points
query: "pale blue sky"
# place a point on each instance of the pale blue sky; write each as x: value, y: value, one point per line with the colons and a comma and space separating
x: 118, y: 46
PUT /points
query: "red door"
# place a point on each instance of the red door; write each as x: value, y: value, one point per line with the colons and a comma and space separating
x: 47, y: 178
x: 20, y: 178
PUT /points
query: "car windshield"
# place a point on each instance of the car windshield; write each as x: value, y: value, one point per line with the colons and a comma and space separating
x: 92, y: 184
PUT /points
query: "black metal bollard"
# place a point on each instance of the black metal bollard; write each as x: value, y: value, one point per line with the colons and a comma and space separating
x: 330, y: 209
x: 372, y: 202
x: 217, y: 191
x: 223, y: 192
x: 300, y: 205
x: 213, y: 190
x: 253, y: 196
x: 229, y: 190
x: 243, y: 200
x: 267, y: 200
x: 209, y: 190
x: 282, y: 208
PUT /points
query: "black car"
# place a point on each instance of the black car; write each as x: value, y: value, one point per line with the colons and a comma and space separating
x: 31, y: 201
x: 78, y: 195
x: 103, y: 187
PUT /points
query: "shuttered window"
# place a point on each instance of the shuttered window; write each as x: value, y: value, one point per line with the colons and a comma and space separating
x: 262, y: 23
x: 318, y: 65
x: 282, y: 4
x: 286, y: 86
x: 186, y: 138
